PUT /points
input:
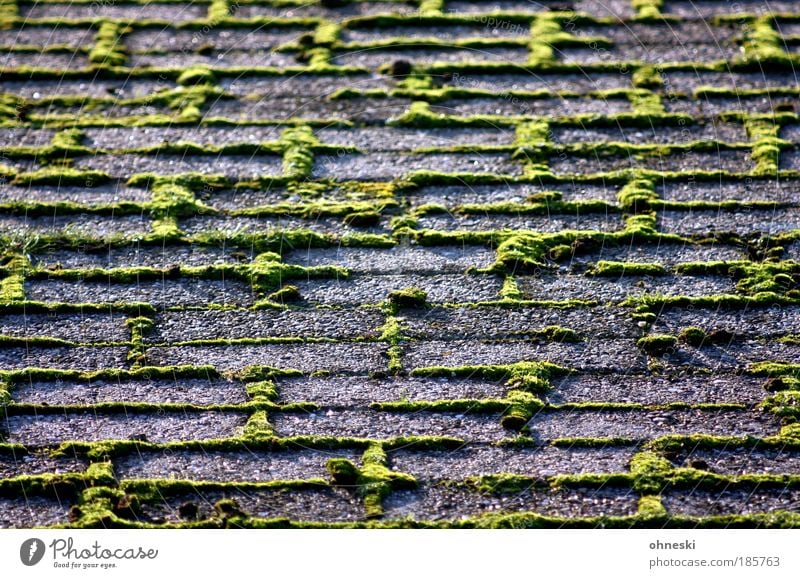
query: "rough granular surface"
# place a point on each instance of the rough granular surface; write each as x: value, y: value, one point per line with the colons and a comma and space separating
x: 399, y: 263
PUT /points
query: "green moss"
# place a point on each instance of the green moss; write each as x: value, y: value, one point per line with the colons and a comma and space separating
x: 546, y: 32
x: 657, y: 345
x: 258, y: 426
x: 64, y: 177
x: 139, y: 326
x: 8, y: 10
x: 499, y: 484
x: 408, y: 298
x: 647, y: 77
x: 374, y: 481
x: 298, y: 156
x: 762, y: 43
x: 620, y: 269
x: 528, y: 376
x: 267, y: 273
x: 532, y: 133
x: 693, y: 336
x: 286, y: 294
x: 784, y: 404
x: 108, y: 49
x: 766, y: 145
x: 646, y: 104
x: 650, y: 472
x: 650, y: 507
x: 262, y: 391
x: 196, y: 75
x: 558, y: 334
x: 447, y: 405
x: 362, y: 219
x: 521, y: 253
x: 637, y: 195
x: 524, y: 405
x: 12, y: 289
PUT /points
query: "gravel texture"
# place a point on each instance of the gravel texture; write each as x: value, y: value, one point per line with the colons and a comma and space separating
x: 86, y: 196
x: 317, y: 505
x: 358, y: 290
x: 78, y: 328
x: 138, y: 255
x: 657, y: 389
x: 397, y: 260
x: 217, y: 466
x: 373, y: 58
x: 453, y: 503
x: 308, y: 107
x: 649, y: 425
x: 335, y: 357
x: 762, y: 322
x: 680, y: 160
x: 178, y: 390
x: 83, y: 358
x: 740, y: 461
x: 779, y: 191
x: 386, y: 425
x: 405, y: 139
x: 262, y: 37
x: 727, y: 132
x: 352, y: 392
x: 168, y: 292
x: 166, y: 427
x: 618, y: 289
x: 37, y: 463
x: 731, y: 502
x: 514, y: 106
x: 32, y: 512
x: 458, y: 133
x: 135, y: 137
x: 234, y: 167
x: 496, y: 323
x: 744, y: 221
x: 666, y: 254
x: 389, y: 166
x: 84, y: 226
x: 594, y: 355
x: 454, y: 196
x: 330, y: 323
x: 540, y: 223
x: 541, y: 462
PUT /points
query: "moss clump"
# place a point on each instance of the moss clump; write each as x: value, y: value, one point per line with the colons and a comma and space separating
x: 108, y: 49
x: 196, y: 75
x: 258, y: 426
x: 408, y: 298
x: 373, y: 481
x: 620, y: 269
x: 524, y: 405
x: 521, y: 253
x: 558, y: 334
x: 784, y: 404
x: 762, y: 43
x: 651, y: 507
x: 139, y: 326
x: 298, y: 152
x: 647, y: 77
x: 637, y: 195
x: 650, y: 472
x: 363, y: 219
x: 657, y: 345
x: 693, y: 336
x: 286, y: 294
